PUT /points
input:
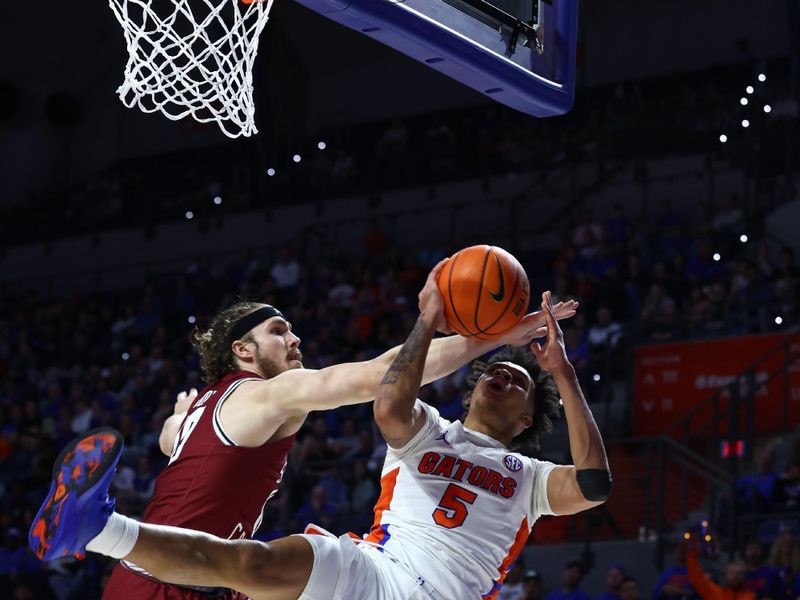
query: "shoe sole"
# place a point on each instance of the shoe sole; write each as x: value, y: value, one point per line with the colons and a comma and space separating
x: 86, y: 462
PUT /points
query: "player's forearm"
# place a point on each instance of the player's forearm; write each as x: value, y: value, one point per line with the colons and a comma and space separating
x: 169, y: 431
x: 401, y: 383
x: 585, y: 442
x: 448, y: 354
x: 445, y: 356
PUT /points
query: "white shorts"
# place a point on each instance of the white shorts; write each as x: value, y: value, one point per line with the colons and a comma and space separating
x: 346, y: 570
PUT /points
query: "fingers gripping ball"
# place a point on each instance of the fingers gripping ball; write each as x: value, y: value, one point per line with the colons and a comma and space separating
x: 485, y: 291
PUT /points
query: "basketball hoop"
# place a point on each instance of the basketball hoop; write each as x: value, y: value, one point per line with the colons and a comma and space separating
x: 192, y: 58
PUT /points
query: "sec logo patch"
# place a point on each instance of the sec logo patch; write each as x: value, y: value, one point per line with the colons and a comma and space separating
x: 512, y: 463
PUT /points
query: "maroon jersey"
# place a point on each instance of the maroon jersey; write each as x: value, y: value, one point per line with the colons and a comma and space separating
x: 210, y: 483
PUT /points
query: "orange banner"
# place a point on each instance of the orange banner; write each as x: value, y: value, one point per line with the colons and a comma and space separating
x: 671, y: 379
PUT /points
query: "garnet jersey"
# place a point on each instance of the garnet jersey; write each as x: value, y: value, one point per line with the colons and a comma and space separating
x: 457, y: 507
x: 210, y: 483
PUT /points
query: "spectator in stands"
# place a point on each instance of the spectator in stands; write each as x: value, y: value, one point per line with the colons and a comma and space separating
x: 316, y: 510
x: 733, y: 586
x: 756, y: 490
x: 364, y: 493
x: 673, y: 583
x: 570, y: 580
x: 532, y: 586
x: 787, y: 485
x: 786, y: 282
x: 785, y: 557
x: 760, y: 577
x: 286, y: 270
x: 614, y: 577
x: 629, y: 589
x: 605, y: 334
x: 587, y: 233
x: 729, y: 219
x: 513, y: 586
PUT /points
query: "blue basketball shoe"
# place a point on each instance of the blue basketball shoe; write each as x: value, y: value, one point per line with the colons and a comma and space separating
x: 78, y: 505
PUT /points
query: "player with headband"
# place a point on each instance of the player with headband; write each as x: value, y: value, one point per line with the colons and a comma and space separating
x: 457, y: 502
x: 228, y: 444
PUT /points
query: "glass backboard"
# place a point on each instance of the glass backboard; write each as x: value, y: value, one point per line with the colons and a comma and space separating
x: 518, y: 52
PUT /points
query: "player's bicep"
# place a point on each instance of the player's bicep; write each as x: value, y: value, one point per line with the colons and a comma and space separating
x: 305, y: 390
x: 564, y: 493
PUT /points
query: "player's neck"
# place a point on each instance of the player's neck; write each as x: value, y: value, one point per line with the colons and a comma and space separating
x: 475, y: 425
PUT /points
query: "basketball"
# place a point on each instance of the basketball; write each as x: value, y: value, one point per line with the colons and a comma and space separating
x: 485, y: 292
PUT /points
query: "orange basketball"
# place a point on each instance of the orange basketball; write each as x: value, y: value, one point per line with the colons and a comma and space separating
x: 485, y: 291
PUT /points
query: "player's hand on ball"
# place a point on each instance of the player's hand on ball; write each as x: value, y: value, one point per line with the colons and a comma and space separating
x: 534, y: 325
x: 431, y: 305
x: 552, y: 357
x: 184, y: 401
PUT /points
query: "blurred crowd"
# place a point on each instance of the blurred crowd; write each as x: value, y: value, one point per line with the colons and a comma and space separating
x: 119, y: 359
x: 619, y: 122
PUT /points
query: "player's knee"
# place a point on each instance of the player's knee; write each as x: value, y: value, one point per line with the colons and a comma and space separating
x: 256, y: 564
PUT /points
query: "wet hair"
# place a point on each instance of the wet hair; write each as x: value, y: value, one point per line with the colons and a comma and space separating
x: 546, y: 398
x: 214, y: 346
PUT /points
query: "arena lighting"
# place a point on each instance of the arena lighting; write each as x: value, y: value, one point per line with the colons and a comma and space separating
x: 762, y: 78
x: 271, y: 172
x: 217, y: 200
x: 596, y: 377
x: 767, y: 108
x: 743, y: 238
x: 778, y: 320
x: 704, y: 524
x: 708, y: 537
x: 125, y: 356
x: 192, y: 320
x: 743, y: 101
x: 750, y: 89
x: 745, y: 123
x: 716, y: 257
x: 723, y: 138
x: 189, y: 215
x: 297, y: 158
x: 322, y: 145
x: 687, y: 536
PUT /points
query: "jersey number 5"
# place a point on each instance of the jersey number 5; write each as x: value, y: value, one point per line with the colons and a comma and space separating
x: 453, y: 511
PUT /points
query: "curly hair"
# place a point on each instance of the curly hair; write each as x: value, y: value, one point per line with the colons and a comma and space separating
x: 213, y: 345
x: 546, y: 398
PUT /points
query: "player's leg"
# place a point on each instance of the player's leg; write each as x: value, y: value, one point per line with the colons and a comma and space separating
x: 78, y: 515
x: 278, y: 570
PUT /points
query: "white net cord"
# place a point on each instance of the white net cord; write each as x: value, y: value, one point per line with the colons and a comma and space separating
x: 192, y: 57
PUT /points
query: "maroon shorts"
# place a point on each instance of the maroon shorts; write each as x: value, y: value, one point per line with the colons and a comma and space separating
x: 125, y: 584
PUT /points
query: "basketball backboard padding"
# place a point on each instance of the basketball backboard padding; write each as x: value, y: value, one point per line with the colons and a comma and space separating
x: 537, y: 82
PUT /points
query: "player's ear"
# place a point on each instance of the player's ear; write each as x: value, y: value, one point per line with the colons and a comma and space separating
x: 242, y: 349
x: 526, y: 420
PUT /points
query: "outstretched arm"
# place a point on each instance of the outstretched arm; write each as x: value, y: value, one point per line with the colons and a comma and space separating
x: 394, y: 408
x: 588, y: 483
x: 302, y: 391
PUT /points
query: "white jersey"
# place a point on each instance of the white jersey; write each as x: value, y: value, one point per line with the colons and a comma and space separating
x: 456, y: 506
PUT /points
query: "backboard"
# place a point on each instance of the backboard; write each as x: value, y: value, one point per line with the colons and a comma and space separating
x: 518, y: 52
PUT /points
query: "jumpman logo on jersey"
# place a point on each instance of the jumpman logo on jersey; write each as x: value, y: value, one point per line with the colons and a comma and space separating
x: 443, y: 437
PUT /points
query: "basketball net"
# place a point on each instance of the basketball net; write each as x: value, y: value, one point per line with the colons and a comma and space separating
x: 192, y: 58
